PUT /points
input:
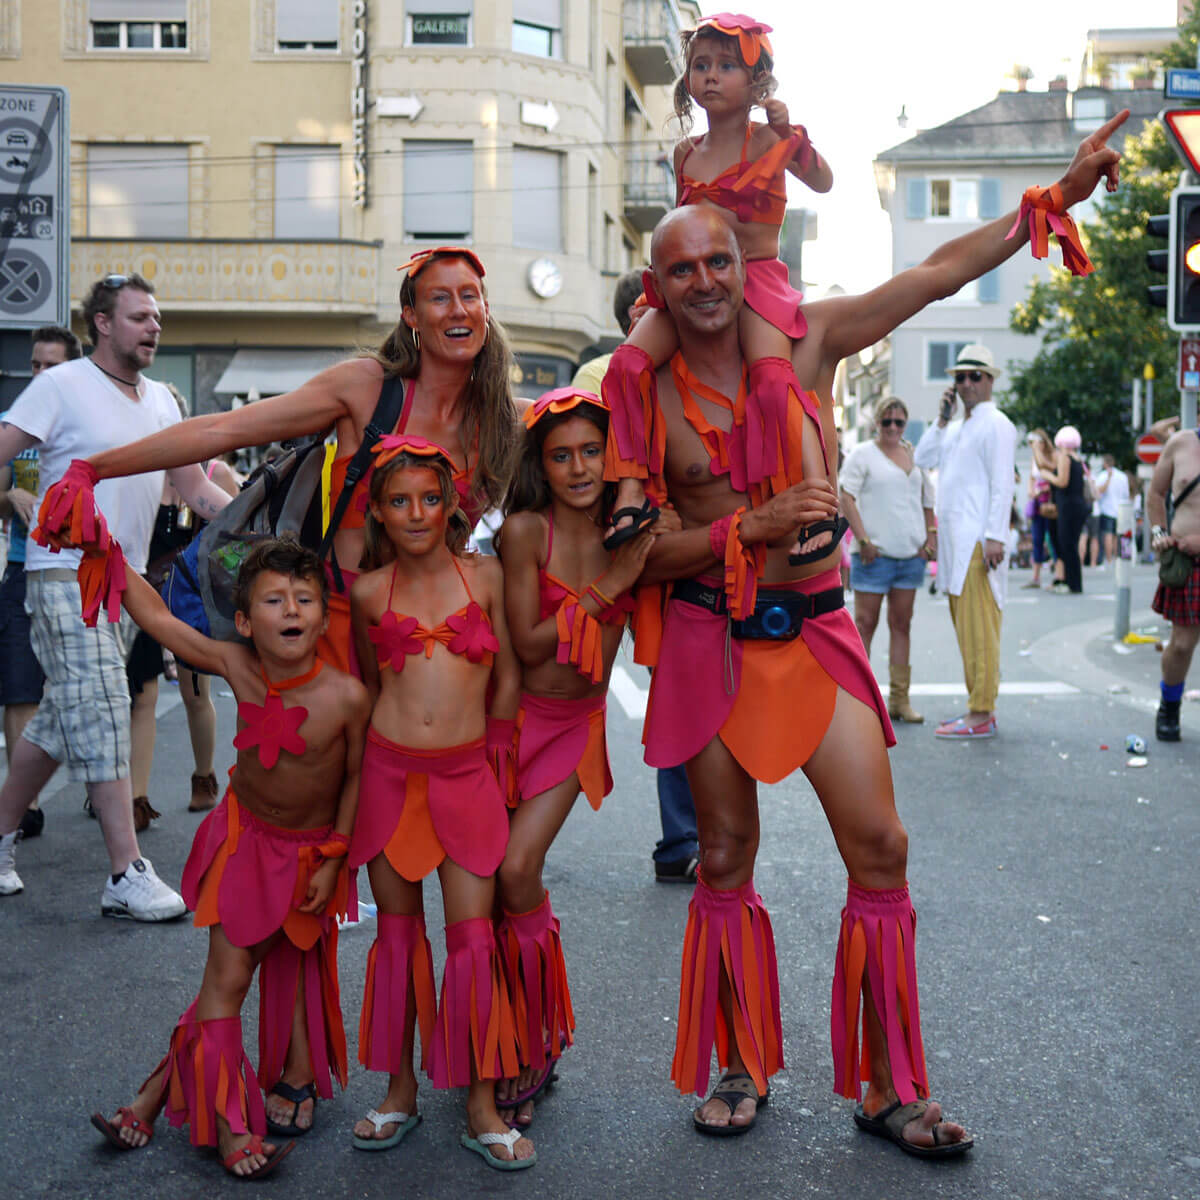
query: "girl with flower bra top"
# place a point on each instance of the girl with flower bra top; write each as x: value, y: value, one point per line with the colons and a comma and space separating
x: 266, y: 874
x: 567, y: 601
x: 741, y: 168
x: 432, y: 645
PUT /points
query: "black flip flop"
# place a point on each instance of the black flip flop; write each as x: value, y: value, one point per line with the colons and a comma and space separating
x: 836, y: 526
x: 296, y: 1096
x: 889, y: 1124
x: 732, y: 1096
x: 642, y: 518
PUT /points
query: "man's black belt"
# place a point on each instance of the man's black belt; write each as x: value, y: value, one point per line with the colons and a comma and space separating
x: 778, y: 615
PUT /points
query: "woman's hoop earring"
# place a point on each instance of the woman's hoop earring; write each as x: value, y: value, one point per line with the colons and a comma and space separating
x: 416, y: 340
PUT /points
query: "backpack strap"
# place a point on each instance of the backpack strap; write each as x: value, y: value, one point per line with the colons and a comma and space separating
x: 1178, y: 500
x: 383, y: 420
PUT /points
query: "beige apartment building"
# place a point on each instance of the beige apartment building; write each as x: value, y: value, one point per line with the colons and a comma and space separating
x: 269, y: 163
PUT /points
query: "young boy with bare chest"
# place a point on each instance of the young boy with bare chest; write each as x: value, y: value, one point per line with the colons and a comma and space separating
x: 266, y: 874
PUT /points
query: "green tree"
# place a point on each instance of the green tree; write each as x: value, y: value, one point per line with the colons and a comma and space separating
x: 1098, y: 330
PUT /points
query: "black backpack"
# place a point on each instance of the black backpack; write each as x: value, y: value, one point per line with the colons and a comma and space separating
x: 282, y: 496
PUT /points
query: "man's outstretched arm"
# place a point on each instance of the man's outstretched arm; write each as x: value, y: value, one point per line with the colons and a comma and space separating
x: 844, y: 325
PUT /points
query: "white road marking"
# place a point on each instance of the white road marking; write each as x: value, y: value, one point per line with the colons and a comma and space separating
x: 630, y: 697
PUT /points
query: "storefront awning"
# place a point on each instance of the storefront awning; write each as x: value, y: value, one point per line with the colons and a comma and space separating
x: 269, y: 372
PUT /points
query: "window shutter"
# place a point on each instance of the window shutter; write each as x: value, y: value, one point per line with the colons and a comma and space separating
x: 989, y: 199
x: 917, y: 193
x: 307, y: 21
x: 537, y: 219
x: 989, y: 287
x: 432, y: 8
x: 439, y: 184
x: 137, y: 10
x: 547, y: 13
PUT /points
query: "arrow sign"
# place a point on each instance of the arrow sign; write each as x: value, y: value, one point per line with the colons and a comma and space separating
x: 1189, y: 364
x: 544, y: 115
x: 399, y: 106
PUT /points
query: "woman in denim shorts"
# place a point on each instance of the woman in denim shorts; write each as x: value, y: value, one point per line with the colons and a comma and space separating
x: 889, y: 504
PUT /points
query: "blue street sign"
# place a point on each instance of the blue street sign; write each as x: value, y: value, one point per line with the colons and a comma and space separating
x: 1182, y: 84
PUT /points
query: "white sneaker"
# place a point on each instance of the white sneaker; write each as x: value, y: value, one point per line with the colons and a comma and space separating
x: 140, y: 895
x: 10, y: 881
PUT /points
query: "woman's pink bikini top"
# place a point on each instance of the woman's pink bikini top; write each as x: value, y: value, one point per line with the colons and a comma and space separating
x: 467, y: 632
x: 356, y: 514
x: 552, y: 592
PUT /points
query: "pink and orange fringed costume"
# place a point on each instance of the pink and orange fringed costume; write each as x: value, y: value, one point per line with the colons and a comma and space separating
x: 755, y: 192
x: 251, y: 877
x: 770, y: 701
x: 418, y: 807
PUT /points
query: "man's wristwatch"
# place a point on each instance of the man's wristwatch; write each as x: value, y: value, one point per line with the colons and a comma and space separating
x: 1157, y: 532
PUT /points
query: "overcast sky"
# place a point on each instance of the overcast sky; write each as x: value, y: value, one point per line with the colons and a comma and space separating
x: 845, y: 69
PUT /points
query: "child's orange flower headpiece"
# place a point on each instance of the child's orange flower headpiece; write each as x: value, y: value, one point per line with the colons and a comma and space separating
x: 560, y: 400
x: 751, y: 34
x: 395, y: 444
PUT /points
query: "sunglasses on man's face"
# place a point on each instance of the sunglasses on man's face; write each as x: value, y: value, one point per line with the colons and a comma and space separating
x: 963, y: 376
x: 899, y: 422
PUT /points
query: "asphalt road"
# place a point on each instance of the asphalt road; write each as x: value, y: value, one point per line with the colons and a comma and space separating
x: 1057, y: 895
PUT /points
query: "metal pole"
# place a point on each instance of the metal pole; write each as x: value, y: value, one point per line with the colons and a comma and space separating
x: 1137, y: 405
x: 1187, y: 409
x: 1124, y: 567
x: 1149, y: 393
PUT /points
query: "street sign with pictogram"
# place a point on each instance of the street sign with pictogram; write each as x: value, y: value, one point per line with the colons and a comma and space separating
x: 1148, y: 448
x: 1189, y: 363
x: 34, y: 207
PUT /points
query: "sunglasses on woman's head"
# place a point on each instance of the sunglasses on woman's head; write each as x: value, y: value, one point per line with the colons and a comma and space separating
x: 973, y: 376
x: 897, y: 421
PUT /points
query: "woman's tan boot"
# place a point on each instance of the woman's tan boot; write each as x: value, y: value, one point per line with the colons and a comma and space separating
x: 898, y: 705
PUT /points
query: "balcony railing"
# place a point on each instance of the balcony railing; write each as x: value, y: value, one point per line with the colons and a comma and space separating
x: 238, y: 275
x: 651, y: 29
x: 649, y: 188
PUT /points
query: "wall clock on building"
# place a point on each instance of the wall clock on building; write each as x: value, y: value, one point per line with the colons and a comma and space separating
x: 545, y: 278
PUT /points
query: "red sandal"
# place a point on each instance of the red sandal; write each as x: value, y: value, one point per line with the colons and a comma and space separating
x: 126, y: 1119
x: 252, y: 1147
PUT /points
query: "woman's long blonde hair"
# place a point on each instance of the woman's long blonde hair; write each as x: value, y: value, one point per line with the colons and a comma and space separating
x: 491, y: 425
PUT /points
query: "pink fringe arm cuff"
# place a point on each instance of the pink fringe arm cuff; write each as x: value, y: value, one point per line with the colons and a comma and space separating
x: 876, y: 944
x: 400, y: 960
x: 727, y: 932
x: 532, y: 955
x: 208, y: 1074
x: 636, y: 435
x: 580, y: 640
x: 502, y: 742
x: 1042, y: 208
x: 743, y: 566
x: 475, y: 1036
x: 102, y: 582
x: 68, y: 511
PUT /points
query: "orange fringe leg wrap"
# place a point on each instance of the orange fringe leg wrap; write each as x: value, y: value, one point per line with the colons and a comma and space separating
x: 730, y: 932
x: 208, y: 1076
x: 636, y: 434
x: 876, y: 946
x: 399, y: 966
x: 532, y: 955
x: 475, y: 1035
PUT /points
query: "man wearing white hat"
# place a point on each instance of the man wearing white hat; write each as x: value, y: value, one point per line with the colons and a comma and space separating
x: 974, y: 461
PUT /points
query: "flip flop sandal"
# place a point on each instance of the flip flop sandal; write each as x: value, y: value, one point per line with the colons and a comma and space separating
x: 251, y: 1148
x: 404, y: 1126
x: 836, y: 526
x: 890, y: 1122
x: 545, y: 1079
x: 642, y: 518
x: 731, y: 1090
x: 295, y: 1096
x: 479, y: 1145
x: 126, y: 1120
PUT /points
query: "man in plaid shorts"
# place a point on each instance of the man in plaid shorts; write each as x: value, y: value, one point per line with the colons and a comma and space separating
x: 1175, y: 475
x: 69, y: 412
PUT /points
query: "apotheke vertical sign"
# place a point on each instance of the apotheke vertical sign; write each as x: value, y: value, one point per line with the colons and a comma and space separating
x: 358, y: 103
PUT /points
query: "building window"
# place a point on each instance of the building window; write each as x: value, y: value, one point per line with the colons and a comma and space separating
x: 307, y: 192
x: 307, y: 25
x: 438, y: 23
x: 1088, y: 112
x: 537, y: 28
x: 137, y: 191
x: 537, y: 180
x: 137, y: 25
x: 954, y: 199
x: 439, y: 185
x: 939, y: 357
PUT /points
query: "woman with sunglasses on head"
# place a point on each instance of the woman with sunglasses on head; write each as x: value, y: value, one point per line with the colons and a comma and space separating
x: 889, y: 504
x: 1043, y: 515
x: 455, y: 358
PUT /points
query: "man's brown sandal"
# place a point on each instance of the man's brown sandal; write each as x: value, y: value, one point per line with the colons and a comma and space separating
x: 890, y: 1124
x: 731, y: 1090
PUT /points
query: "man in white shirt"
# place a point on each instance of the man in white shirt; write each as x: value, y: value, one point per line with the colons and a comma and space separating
x: 974, y: 460
x: 71, y: 411
x: 1113, y: 488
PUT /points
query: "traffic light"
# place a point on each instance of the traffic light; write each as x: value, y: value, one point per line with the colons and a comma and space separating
x: 1183, y: 311
x: 1158, y: 260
